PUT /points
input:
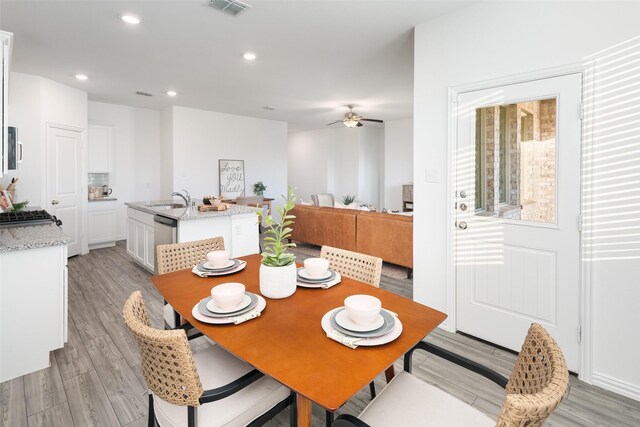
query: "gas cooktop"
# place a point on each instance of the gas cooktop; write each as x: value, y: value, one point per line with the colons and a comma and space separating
x: 27, y: 217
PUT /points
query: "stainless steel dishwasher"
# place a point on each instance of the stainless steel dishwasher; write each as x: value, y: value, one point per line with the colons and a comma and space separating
x: 165, y: 231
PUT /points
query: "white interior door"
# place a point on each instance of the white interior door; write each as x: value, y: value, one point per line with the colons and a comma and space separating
x: 517, y: 206
x: 64, y: 182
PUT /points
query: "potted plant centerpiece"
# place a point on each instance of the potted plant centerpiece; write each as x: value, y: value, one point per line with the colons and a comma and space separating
x: 258, y: 188
x: 278, y: 268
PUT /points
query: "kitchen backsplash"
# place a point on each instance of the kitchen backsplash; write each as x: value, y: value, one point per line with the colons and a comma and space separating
x: 98, y: 184
x: 98, y: 179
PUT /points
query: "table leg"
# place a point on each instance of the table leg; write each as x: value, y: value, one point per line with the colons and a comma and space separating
x: 304, y: 411
x: 389, y: 374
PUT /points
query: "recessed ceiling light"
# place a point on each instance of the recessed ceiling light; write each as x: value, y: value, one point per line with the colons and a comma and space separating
x: 249, y: 56
x: 269, y: 107
x: 81, y: 77
x: 172, y: 93
x: 130, y: 19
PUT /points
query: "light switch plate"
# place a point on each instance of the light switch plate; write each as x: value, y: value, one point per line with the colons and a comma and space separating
x: 432, y: 175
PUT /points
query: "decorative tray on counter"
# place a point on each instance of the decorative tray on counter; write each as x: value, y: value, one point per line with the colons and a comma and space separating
x: 209, y: 208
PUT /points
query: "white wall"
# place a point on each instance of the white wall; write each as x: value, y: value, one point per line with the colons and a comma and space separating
x: 166, y: 151
x: 201, y: 138
x: 370, y: 166
x: 33, y: 102
x: 460, y: 48
x: 310, y: 162
x: 136, y: 168
x: 340, y: 161
x: 398, y: 165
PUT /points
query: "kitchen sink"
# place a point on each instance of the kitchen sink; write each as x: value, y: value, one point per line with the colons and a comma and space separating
x: 167, y: 205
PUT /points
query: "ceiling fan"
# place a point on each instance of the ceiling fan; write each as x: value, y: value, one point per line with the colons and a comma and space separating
x: 352, y: 119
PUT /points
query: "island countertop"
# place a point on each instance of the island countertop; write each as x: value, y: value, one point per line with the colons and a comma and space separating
x: 160, y: 207
x: 31, y: 237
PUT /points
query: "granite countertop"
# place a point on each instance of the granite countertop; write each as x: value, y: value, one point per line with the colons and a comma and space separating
x: 185, y: 213
x: 104, y: 199
x: 31, y: 237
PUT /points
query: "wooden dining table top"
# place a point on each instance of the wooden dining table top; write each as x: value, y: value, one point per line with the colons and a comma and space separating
x: 287, y: 341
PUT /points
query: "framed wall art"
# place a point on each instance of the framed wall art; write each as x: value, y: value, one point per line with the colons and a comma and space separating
x: 231, y: 178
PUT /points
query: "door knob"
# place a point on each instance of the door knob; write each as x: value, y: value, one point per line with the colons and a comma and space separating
x: 463, y: 194
x: 462, y: 225
x: 463, y: 206
x: 54, y: 202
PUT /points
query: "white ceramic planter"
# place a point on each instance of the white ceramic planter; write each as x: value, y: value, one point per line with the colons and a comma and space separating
x: 278, y: 282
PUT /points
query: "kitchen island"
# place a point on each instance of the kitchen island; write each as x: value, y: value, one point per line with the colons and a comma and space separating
x: 33, y: 297
x: 238, y: 225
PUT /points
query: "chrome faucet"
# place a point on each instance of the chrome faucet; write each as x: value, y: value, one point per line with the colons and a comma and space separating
x: 186, y: 197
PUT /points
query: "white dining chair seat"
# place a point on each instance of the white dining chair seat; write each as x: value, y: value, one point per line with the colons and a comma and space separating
x: 168, y: 315
x: 216, y: 368
x: 412, y: 402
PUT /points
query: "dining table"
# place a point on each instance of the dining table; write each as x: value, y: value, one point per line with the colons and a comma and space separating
x: 287, y: 341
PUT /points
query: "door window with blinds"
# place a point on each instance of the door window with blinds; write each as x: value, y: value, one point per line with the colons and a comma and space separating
x: 515, y: 161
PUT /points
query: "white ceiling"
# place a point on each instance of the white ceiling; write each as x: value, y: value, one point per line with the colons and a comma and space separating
x: 314, y: 57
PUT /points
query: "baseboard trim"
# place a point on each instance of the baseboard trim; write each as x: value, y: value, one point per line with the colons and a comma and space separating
x: 615, y: 385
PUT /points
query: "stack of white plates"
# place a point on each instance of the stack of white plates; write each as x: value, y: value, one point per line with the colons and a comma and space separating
x: 386, y: 328
x: 208, y: 312
x: 232, y: 266
x: 315, y: 282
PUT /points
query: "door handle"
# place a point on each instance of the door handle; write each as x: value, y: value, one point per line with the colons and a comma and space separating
x: 54, y: 202
x: 463, y: 206
x: 463, y: 194
x: 462, y: 225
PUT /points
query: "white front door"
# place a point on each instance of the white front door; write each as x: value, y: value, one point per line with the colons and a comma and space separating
x: 64, y: 182
x: 517, y: 206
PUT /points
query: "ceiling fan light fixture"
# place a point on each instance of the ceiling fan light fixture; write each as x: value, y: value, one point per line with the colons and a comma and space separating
x: 350, y: 123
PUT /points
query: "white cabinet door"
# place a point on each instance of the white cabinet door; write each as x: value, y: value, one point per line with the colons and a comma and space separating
x: 27, y: 340
x: 131, y: 237
x: 5, y: 50
x: 100, y: 149
x: 140, y: 248
x: 102, y: 226
x: 149, y: 259
x: 244, y: 235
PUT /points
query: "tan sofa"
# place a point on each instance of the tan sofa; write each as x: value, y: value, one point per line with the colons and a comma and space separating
x: 387, y: 236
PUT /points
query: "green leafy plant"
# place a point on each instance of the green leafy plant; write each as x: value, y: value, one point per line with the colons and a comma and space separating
x: 275, y: 253
x: 20, y: 205
x: 348, y: 199
x: 258, y: 188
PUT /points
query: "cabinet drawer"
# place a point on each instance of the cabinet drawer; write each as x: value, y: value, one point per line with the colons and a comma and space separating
x: 145, y: 218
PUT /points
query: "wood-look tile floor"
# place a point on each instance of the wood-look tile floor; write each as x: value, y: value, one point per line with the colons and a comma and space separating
x: 95, y: 380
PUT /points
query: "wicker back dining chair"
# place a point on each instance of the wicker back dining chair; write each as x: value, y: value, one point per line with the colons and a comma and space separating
x: 361, y: 267
x: 178, y: 256
x: 180, y: 383
x: 534, y: 390
x: 356, y: 266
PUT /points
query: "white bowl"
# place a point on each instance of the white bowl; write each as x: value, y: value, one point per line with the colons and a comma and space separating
x: 228, y: 295
x: 316, y: 267
x: 362, y: 309
x: 218, y: 259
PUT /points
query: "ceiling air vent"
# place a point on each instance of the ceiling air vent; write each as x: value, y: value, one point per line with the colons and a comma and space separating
x: 232, y: 7
x: 142, y: 93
